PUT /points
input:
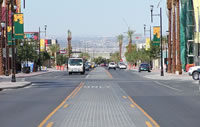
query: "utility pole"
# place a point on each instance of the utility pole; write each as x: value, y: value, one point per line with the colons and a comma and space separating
x: 161, y: 43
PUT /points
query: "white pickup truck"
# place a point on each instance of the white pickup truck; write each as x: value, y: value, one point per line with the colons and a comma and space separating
x: 76, y: 65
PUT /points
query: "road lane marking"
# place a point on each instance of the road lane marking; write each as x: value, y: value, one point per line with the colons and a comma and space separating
x: 161, y: 84
x: 142, y: 110
x: 124, y: 97
x: 57, y: 108
x: 148, y: 124
x: 109, y: 74
x: 65, y: 106
x: 132, y: 105
x: 81, y: 85
x: 50, y: 124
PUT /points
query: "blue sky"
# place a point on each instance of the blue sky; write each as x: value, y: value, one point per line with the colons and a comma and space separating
x: 91, y: 17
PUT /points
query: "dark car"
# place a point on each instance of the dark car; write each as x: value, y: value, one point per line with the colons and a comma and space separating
x: 87, y: 67
x: 144, y: 67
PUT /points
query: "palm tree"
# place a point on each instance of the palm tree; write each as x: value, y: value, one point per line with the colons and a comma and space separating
x: 120, y: 39
x: 179, y: 66
x: 169, y: 6
x: 174, y: 37
x: 130, y: 34
x: 1, y: 44
x: 54, y: 49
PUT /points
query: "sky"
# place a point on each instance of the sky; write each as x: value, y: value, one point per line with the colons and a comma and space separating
x: 90, y: 18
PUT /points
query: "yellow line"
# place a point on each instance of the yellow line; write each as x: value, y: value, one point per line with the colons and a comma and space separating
x: 142, y: 110
x: 148, y: 124
x: 132, y: 105
x: 50, y: 124
x: 124, y: 97
x: 65, y: 106
x: 56, y: 109
x: 81, y: 85
x: 109, y: 75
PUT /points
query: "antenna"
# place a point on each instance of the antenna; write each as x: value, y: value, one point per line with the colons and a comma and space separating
x: 126, y: 23
x: 159, y: 4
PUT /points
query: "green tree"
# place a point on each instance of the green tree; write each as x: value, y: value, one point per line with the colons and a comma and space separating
x: 85, y: 56
x: 120, y: 40
x: 53, y: 51
x: 115, y: 57
x: 130, y: 35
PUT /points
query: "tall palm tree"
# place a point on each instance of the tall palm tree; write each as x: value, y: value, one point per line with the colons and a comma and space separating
x: 1, y: 44
x: 174, y: 37
x: 169, y: 7
x: 130, y: 35
x: 120, y: 39
x: 54, y: 49
x: 179, y: 66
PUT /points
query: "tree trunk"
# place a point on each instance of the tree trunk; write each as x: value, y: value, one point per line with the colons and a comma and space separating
x: 120, y: 51
x: 129, y: 46
x: 179, y: 66
x: 1, y: 44
x: 169, y: 37
x: 174, y: 38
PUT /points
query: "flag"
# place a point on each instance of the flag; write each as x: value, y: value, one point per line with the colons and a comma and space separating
x: 19, y: 25
x: 156, y: 35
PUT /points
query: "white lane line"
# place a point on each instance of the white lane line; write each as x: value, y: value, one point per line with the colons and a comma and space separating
x: 161, y: 84
x: 87, y: 76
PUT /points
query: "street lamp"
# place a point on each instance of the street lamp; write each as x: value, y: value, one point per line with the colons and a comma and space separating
x: 45, y: 28
x: 1, y: 47
x: 39, y: 61
x: 161, y: 54
x: 147, y: 31
x: 13, y: 9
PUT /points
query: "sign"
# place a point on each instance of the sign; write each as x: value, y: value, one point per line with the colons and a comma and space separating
x: 42, y: 45
x: 156, y: 35
x: 31, y: 35
x: 148, y: 41
x: 63, y: 51
x: 19, y: 25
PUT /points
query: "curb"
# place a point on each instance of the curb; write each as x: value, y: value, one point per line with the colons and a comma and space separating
x: 33, y: 75
x: 16, y: 87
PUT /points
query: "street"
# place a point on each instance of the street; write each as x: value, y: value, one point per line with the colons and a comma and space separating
x: 101, y: 98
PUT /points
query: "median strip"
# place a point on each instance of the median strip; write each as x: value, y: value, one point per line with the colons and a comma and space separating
x: 108, y: 73
x: 57, y: 108
x: 142, y: 110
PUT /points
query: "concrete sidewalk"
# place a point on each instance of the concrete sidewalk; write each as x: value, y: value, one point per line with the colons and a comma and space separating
x: 6, y: 84
x: 155, y: 74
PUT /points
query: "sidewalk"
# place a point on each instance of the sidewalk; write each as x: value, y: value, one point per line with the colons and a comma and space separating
x: 155, y: 74
x: 5, y: 82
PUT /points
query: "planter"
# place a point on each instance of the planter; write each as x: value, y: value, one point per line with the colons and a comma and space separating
x: 26, y: 69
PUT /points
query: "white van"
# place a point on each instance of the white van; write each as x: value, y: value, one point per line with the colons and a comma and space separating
x: 76, y: 65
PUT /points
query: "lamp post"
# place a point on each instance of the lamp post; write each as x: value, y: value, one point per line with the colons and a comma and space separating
x: 161, y: 54
x: 166, y: 47
x: 13, y: 9
x: 45, y: 28
x: 147, y: 31
x: 1, y: 47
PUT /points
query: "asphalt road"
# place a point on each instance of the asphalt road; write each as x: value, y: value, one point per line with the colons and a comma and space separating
x: 170, y: 103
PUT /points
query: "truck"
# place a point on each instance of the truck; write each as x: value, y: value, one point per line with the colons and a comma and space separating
x: 76, y: 65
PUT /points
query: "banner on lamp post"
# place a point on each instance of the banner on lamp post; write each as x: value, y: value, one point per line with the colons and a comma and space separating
x: 156, y: 35
x: 9, y: 35
x: 19, y: 25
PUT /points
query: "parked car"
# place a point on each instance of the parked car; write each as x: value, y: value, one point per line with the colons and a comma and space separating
x: 122, y: 65
x: 144, y: 67
x: 112, y: 65
x: 194, y: 72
